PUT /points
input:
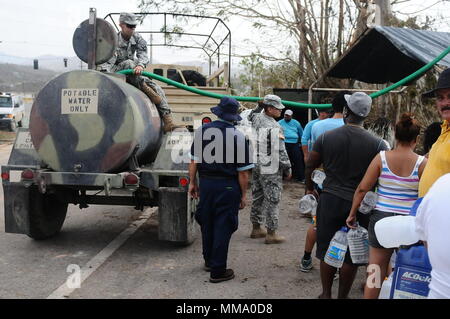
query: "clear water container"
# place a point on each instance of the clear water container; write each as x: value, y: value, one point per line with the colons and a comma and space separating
x: 358, y: 243
x: 318, y: 176
x: 337, y: 249
x: 368, y: 203
x: 307, y: 204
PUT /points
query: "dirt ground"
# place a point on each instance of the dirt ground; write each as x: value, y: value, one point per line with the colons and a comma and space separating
x: 6, y: 137
x: 280, y: 263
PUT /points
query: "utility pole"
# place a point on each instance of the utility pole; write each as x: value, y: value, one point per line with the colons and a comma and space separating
x: 383, y: 14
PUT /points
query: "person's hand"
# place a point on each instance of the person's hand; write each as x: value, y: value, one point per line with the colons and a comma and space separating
x: 287, y: 174
x: 242, y: 204
x: 138, y: 70
x: 351, y: 221
x: 193, y: 190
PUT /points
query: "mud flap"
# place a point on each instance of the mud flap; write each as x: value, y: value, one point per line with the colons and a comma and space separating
x: 16, y: 209
x: 176, y: 216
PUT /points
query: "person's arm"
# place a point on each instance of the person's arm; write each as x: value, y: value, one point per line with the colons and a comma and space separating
x: 367, y: 183
x: 314, y: 161
x: 285, y: 163
x: 299, y: 131
x: 305, y: 152
x: 141, y: 55
x: 422, y: 166
x: 306, y: 136
x: 243, y: 183
x: 193, y: 187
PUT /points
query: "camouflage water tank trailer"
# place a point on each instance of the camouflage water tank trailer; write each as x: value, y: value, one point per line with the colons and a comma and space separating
x: 95, y: 139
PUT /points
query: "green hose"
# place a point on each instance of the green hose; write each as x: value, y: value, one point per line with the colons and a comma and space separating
x: 288, y: 103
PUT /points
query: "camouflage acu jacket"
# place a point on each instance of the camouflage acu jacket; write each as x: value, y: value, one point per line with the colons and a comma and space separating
x: 270, y: 147
x: 126, y: 51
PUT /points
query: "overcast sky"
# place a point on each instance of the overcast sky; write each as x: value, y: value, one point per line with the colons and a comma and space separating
x: 30, y: 28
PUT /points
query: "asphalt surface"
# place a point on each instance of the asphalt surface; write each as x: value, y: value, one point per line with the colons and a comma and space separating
x: 127, y: 261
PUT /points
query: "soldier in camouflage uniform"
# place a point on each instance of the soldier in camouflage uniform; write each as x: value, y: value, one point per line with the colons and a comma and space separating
x: 130, y: 43
x: 272, y: 163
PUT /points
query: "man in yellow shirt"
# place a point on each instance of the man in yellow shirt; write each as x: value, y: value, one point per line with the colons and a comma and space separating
x: 439, y: 158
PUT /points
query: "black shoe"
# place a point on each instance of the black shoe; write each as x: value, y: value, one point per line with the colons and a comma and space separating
x: 227, y: 275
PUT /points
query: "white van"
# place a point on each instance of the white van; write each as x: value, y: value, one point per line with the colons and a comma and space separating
x: 12, y: 110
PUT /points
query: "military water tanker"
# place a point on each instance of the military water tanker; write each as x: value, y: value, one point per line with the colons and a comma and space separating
x: 95, y: 139
x: 87, y: 121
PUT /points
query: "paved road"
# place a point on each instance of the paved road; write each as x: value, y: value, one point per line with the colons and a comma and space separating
x: 144, y: 267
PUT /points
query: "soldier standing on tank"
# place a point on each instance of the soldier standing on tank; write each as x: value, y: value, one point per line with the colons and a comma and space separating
x: 131, y: 43
x: 271, y: 165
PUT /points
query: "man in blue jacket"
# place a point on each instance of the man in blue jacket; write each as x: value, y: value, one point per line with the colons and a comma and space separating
x: 293, y: 131
x: 220, y: 154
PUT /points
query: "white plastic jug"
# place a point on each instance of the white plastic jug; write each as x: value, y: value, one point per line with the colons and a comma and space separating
x: 385, y: 291
x: 395, y: 231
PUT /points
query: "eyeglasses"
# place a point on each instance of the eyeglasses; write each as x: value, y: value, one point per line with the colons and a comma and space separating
x: 130, y: 26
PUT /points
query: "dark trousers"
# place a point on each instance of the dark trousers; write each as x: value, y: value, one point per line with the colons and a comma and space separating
x: 295, y: 154
x: 217, y: 215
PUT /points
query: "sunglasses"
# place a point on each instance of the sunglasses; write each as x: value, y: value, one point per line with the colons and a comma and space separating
x: 130, y: 26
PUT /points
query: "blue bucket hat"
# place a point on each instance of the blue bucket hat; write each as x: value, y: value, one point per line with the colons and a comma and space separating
x: 227, y: 109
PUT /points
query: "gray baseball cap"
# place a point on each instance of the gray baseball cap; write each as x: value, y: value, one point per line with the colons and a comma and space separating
x: 359, y: 103
x: 273, y: 100
x: 128, y: 18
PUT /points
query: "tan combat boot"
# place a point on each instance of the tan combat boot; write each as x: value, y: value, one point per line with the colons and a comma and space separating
x: 154, y: 97
x: 168, y: 123
x: 273, y: 238
x: 258, y: 232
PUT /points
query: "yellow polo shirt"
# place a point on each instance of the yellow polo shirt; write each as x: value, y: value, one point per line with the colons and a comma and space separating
x: 438, y: 161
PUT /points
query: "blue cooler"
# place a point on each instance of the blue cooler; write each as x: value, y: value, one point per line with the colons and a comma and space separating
x: 412, y: 273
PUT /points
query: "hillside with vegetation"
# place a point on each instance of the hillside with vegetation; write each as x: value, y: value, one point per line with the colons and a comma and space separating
x: 23, y: 79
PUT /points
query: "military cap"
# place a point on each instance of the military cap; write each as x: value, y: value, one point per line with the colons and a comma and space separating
x: 273, y: 100
x: 128, y: 18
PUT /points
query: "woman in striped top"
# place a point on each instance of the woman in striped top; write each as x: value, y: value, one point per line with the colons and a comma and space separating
x: 396, y: 174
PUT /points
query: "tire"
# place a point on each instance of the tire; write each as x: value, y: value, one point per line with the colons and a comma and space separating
x: 19, y: 124
x: 13, y: 126
x: 193, y: 78
x: 46, y: 215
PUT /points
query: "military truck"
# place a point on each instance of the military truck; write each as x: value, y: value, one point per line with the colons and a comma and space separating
x: 95, y: 139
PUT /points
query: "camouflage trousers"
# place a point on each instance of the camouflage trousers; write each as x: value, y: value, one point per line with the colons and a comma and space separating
x: 136, y: 81
x: 266, y: 192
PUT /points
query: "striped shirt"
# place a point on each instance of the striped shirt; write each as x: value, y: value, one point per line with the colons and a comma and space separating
x: 397, y: 194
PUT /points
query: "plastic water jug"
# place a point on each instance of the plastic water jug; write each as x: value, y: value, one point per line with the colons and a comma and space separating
x: 368, y: 203
x: 358, y: 243
x: 396, y: 231
x: 337, y: 249
x: 386, y: 287
x: 318, y: 176
x: 307, y: 204
x: 412, y: 274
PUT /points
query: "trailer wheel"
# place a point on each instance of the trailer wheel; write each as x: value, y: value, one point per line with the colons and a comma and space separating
x: 12, y: 126
x: 47, y: 215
